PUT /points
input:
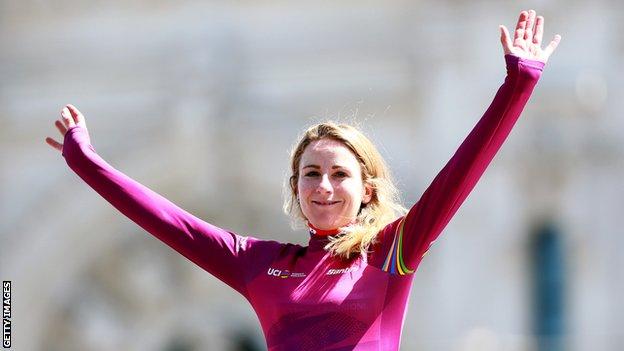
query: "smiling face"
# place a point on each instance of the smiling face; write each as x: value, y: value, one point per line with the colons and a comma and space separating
x: 330, y: 186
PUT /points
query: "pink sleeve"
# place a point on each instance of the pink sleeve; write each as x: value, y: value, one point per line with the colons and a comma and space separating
x: 218, y: 251
x: 405, y: 241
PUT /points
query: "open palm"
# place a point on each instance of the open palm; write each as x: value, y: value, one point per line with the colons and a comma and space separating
x: 527, y: 40
x: 70, y: 117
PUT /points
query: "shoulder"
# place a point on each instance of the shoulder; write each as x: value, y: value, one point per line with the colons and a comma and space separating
x: 386, y: 235
x: 267, y: 248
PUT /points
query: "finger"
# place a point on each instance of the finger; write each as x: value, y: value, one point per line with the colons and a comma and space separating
x: 552, y: 46
x: 61, y: 128
x: 505, y: 39
x: 528, y: 31
x: 67, y: 119
x: 539, y: 30
x: 55, y: 144
x: 520, y: 26
x: 76, y: 115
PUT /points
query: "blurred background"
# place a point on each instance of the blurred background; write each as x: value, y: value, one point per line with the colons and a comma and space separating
x: 202, y: 101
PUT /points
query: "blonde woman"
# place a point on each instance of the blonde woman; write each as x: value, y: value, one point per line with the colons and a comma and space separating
x: 349, y: 287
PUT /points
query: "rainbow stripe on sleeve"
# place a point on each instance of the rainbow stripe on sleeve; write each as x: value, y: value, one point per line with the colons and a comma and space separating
x: 394, y: 263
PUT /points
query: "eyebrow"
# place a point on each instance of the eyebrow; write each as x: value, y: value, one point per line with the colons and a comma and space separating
x: 319, y: 167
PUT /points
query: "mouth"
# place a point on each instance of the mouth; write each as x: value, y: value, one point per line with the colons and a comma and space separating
x: 325, y: 203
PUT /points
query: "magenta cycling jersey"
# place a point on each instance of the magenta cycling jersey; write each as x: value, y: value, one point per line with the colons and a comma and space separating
x: 306, y: 299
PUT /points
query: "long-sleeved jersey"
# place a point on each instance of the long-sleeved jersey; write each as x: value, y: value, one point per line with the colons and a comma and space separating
x: 305, y: 298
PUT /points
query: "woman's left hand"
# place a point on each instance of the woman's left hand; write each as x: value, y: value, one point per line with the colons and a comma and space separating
x: 527, y: 41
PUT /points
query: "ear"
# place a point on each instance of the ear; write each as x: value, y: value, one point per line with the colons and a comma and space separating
x: 368, y: 193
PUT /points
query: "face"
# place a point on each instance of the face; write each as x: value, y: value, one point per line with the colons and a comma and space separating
x: 330, y: 185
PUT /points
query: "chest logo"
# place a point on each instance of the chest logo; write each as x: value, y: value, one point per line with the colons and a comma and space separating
x: 285, y: 273
x: 341, y: 271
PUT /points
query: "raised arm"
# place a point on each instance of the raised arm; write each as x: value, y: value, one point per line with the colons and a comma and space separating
x: 218, y: 251
x: 409, y: 238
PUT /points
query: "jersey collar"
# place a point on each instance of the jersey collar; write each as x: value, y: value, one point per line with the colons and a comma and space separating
x: 322, y: 232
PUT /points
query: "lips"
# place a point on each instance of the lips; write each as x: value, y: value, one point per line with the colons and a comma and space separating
x: 325, y: 203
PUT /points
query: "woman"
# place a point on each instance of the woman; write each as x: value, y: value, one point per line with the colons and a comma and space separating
x: 348, y: 289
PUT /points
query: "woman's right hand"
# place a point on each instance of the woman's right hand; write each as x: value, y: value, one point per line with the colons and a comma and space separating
x: 70, y: 117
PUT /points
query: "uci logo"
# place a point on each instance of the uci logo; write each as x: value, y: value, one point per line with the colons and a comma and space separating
x: 278, y: 273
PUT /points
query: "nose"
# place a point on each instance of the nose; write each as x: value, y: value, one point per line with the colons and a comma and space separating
x: 325, y: 185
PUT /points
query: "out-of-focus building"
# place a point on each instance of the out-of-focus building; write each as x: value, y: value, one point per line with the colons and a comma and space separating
x: 201, y: 101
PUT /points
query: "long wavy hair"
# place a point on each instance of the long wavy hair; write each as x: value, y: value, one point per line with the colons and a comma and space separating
x: 384, y: 206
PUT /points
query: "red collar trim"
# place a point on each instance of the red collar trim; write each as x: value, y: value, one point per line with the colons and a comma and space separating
x: 322, y: 232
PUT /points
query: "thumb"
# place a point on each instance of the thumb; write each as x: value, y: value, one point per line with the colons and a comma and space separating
x: 505, y: 39
x: 552, y: 46
x: 76, y: 115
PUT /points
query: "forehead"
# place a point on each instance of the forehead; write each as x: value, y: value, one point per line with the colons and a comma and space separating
x: 324, y: 151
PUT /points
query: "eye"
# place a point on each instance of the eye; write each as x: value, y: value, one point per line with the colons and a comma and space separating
x: 341, y: 174
x: 312, y: 174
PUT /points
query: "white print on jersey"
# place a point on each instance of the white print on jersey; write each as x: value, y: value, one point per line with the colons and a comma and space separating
x: 285, y: 274
x: 288, y: 274
x: 341, y: 271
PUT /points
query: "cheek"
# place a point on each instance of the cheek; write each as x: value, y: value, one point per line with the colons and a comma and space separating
x: 353, y: 188
x: 303, y: 187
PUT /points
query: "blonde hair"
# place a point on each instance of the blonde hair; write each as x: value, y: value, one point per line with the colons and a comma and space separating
x: 384, y: 206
